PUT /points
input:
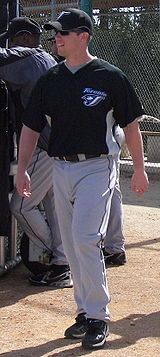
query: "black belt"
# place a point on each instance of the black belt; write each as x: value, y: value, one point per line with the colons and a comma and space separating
x: 79, y: 157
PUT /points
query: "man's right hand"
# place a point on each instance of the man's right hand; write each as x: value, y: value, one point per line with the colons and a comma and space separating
x: 23, y: 184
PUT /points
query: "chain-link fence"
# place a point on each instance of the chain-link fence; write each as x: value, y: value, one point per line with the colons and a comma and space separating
x: 128, y: 38
x: 125, y: 34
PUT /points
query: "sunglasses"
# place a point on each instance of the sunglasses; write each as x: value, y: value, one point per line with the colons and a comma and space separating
x: 67, y: 32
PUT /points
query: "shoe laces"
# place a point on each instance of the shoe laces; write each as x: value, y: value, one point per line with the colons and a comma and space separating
x: 59, y: 269
x: 94, y: 325
x: 81, y: 318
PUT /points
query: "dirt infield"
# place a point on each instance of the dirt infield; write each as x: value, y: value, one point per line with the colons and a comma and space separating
x: 33, y: 319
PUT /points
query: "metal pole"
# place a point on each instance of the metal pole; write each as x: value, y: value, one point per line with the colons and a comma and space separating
x: 14, y: 9
x: 53, y: 9
x: 18, y: 9
x: 2, y: 251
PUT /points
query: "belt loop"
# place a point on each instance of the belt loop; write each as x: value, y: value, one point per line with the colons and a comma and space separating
x: 81, y: 157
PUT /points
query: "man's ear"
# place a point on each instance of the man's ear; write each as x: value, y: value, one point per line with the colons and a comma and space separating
x: 84, y: 36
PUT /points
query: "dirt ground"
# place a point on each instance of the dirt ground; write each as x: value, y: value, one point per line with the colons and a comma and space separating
x: 33, y: 319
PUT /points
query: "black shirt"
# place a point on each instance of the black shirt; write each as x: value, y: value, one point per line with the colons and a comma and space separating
x: 84, y: 108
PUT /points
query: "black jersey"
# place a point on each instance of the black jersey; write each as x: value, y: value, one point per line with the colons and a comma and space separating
x: 84, y: 108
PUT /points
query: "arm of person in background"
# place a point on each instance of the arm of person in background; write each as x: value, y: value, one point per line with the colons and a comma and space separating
x: 34, y: 121
x: 139, y: 181
x: 28, y: 142
x: 10, y: 59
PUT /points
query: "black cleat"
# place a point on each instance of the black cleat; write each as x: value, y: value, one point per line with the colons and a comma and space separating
x: 59, y: 278
x: 78, y: 329
x: 95, y: 337
x: 114, y: 258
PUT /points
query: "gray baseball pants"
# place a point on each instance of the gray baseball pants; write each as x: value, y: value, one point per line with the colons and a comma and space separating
x: 114, y: 241
x: 43, y: 230
x: 83, y: 193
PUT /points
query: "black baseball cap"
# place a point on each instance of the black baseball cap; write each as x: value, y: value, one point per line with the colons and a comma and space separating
x: 71, y: 19
x: 21, y: 24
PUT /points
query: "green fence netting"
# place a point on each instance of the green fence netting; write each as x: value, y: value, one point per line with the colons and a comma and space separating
x: 126, y: 34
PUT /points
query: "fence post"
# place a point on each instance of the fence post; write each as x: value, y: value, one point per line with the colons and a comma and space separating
x: 14, y: 9
x: 86, y: 5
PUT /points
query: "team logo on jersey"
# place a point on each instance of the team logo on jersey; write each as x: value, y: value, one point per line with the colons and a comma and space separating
x: 92, y: 97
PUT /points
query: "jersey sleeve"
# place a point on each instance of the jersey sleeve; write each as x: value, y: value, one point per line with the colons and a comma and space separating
x: 126, y: 105
x: 34, y: 115
x: 13, y: 68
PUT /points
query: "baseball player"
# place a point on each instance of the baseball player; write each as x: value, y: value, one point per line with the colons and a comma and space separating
x: 20, y: 66
x: 114, y: 240
x: 86, y: 98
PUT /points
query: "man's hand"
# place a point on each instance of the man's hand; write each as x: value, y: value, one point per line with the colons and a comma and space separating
x: 139, y: 182
x: 23, y: 184
x: 28, y: 141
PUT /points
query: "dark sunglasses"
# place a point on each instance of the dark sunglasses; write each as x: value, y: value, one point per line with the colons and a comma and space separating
x: 67, y: 32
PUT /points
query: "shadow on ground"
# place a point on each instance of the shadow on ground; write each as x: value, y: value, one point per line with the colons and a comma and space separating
x: 129, y: 329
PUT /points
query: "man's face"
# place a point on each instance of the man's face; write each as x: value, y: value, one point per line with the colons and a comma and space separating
x: 67, y: 44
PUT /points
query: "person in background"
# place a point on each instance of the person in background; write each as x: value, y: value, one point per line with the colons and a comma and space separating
x: 21, y: 65
x: 54, y: 49
x: 114, y: 241
x: 87, y: 98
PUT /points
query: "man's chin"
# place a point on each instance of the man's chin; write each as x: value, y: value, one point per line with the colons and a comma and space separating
x: 61, y: 52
